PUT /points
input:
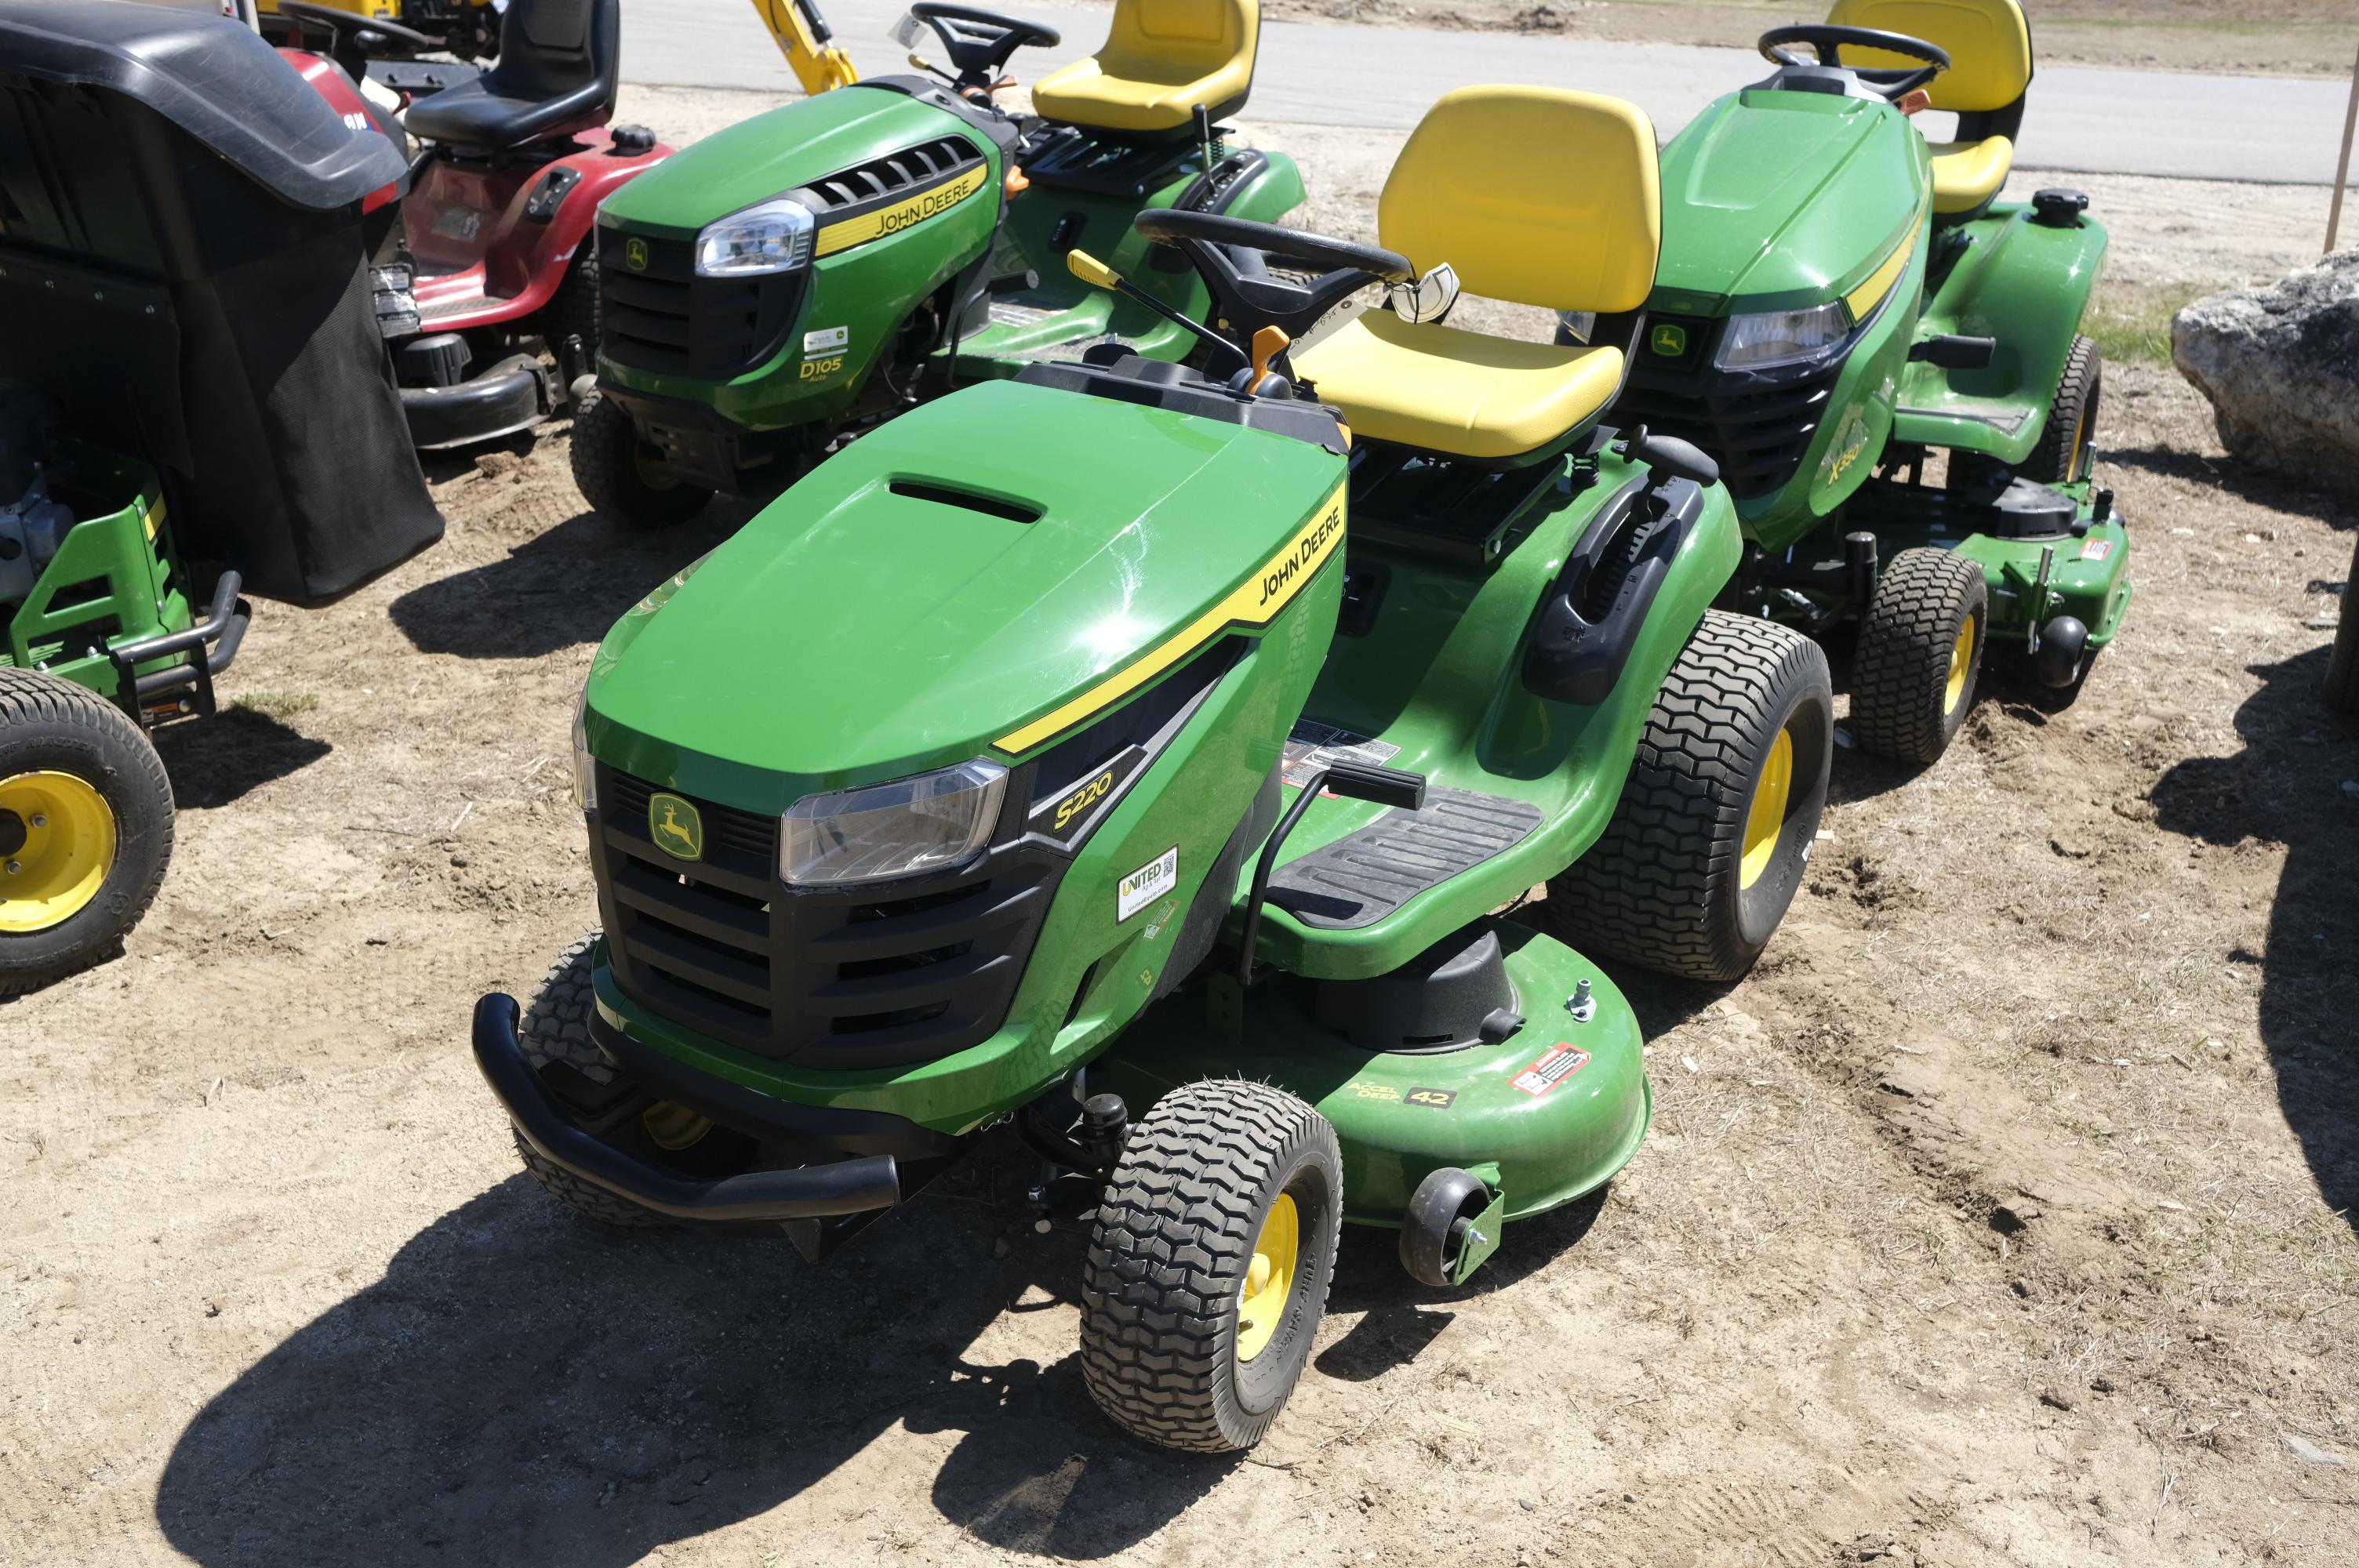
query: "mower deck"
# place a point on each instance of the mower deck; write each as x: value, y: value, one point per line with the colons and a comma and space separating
x: 1558, y: 1107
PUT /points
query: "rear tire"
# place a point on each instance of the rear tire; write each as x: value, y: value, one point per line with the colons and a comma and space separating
x: 2066, y: 448
x: 1207, y: 1183
x: 85, y: 820
x: 556, y: 1028
x: 1715, y: 825
x: 621, y: 476
x: 572, y: 309
x: 1920, y: 656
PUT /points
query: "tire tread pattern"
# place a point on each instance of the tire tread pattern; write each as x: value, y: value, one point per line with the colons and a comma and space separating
x: 1644, y: 891
x: 1170, y: 1252
x: 35, y: 698
x: 1901, y: 672
x: 556, y: 1028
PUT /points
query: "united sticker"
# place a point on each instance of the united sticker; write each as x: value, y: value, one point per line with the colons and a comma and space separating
x: 1551, y: 1070
x: 2095, y: 549
x: 1147, y: 884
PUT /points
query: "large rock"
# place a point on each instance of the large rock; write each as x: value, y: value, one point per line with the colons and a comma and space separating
x: 2281, y: 367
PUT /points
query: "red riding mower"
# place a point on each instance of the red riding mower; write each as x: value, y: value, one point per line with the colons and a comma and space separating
x: 488, y: 251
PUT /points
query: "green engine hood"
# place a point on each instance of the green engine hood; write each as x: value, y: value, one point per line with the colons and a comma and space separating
x: 862, y: 627
x: 773, y: 153
x: 1779, y: 200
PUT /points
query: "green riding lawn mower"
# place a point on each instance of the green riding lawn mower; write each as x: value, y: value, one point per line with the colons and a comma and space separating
x: 194, y: 401
x: 1884, y: 362
x: 832, y: 262
x: 1057, y: 755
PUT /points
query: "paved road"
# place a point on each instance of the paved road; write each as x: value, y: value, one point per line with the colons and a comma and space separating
x: 2123, y: 122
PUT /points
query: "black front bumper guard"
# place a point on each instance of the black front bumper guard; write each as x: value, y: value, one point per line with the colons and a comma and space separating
x: 213, y: 641
x: 831, y: 1190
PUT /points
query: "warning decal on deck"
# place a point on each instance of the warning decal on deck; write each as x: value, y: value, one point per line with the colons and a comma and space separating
x: 1551, y: 1070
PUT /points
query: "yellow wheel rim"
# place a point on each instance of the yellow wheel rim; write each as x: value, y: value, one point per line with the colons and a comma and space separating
x: 673, y: 1126
x: 1269, y: 1279
x: 62, y: 833
x: 1766, y: 820
x: 1961, y: 661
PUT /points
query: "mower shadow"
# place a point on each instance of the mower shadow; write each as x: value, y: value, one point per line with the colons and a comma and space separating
x: 560, y: 589
x: 2286, y: 786
x: 1403, y: 1318
x: 213, y: 762
x: 519, y: 1389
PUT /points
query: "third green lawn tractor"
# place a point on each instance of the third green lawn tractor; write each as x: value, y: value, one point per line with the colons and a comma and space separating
x: 1884, y: 359
x: 832, y: 262
x: 1056, y: 754
x: 193, y: 400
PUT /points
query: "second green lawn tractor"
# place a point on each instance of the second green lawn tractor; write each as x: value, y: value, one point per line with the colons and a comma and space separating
x: 1885, y: 360
x: 194, y: 401
x: 832, y: 262
x: 1060, y: 754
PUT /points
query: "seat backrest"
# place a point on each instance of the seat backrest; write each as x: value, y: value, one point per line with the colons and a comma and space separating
x: 550, y: 47
x: 1988, y: 42
x: 1534, y: 195
x: 1198, y: 37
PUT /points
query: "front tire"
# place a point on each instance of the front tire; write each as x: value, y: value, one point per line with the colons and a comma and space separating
x: 621, y: 476
x: 1920, y: 656
x: 1715, y: 827
x: 556, y: 1028
x: 85, y: 829
x: 1209, y: 1264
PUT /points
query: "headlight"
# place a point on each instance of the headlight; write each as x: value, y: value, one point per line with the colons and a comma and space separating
x: 585, y: 780
x: 1782, y: 337
x: 772, y: 237
x: 893, y: 829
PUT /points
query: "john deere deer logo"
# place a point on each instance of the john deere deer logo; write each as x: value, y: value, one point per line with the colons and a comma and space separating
x: 634, y: 255
x: 1670, y: 341
x: 676, y: 827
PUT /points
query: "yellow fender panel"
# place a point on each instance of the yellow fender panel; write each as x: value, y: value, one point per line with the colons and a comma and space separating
x: 1432, y: 386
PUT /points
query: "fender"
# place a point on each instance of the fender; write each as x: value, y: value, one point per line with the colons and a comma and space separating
x: 523, y: 258
x: 2028, y: 285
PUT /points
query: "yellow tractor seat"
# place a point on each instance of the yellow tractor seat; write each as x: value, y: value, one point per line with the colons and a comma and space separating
x: 1161, y: 59
x: 1989, y: 45
x: 1967, y: 175
x: 1580, y: 230
x: 1425, y: 384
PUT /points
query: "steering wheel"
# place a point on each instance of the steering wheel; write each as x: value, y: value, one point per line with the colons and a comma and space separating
x: 345, y: 24
x: 980, y: 41
x: 1233, y: 256
x: 1829, y: 43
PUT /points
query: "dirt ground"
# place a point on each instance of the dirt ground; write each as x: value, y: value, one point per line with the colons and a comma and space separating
x: 2273, y: 37
x: 2000, y: 1217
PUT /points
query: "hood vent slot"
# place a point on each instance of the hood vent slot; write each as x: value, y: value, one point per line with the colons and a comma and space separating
x: 989, y: 506
x: 880, y: 178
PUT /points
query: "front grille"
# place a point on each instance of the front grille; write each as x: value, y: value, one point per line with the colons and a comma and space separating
x: 871, y: 184
x: 662, y: 317
x: 1756, y: 425
x: 864, y: 977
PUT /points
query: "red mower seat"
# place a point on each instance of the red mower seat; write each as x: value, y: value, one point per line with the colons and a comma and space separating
x: 560, y: 64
